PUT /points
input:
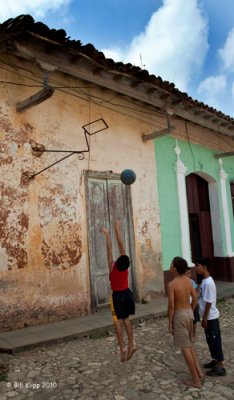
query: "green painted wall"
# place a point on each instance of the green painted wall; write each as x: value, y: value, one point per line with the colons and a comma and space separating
x: 197, y: 159
x: 168, y: 202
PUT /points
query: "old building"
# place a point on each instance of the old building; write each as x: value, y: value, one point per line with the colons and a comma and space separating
x: 70, y: 122
x: 61, y: 97
x: 195, y: 186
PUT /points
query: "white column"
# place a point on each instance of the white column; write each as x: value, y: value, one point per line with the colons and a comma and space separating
x: 222, y: 177
x: 180, y: 170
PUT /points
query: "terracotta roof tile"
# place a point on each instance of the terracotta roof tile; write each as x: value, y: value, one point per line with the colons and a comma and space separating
x: 24, y: 23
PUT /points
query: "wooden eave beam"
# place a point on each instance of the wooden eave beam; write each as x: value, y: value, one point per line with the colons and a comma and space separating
x: 221, y: 155
x: 36, y: 99
x: 157, y: 134
x: 63, y: 59
x: 198, y: 112
x: 3, y: 47
x: 174, y: 100
x: 224, y: 123
x: 151, y: 90
x: 163, y: 132
x: 208, y: 116
x: 136, y: 84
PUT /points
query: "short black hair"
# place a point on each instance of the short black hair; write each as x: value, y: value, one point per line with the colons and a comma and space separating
x: 180, y: 264
x: 123, y: 262
x: 204, y: 261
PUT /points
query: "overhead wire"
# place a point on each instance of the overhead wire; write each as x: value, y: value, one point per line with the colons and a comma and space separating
x: 223, y: 139
x: 20, y: 84
x: 219, y: 136
x: 191, y: 151
x: 39, y: 75
x: 78, y: 91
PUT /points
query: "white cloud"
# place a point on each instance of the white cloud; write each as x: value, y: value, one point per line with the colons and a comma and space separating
x: 173, y: 44
x: 227, y: 52
x: 115, y: 53
x: 211, y: 88
x: 218, y: 91
x: 37, y: 8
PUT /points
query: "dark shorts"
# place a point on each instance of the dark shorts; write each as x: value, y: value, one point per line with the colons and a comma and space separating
x: 196, y: 315
x: 122, y: 304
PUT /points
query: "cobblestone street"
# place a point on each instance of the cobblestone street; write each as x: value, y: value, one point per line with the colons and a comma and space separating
x: 90, y: 368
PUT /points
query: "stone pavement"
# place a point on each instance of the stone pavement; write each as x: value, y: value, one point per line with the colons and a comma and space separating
x: 57, y: 332
x: 94, y: 324
x: 90, y: 369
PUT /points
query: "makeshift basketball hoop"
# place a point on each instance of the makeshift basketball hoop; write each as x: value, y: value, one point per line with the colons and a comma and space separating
x: 89, y: 129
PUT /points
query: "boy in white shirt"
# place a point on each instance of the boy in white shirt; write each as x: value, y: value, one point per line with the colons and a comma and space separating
x: 210, y: 318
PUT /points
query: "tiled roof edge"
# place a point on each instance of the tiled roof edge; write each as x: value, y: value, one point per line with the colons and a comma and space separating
x: 27, y: 23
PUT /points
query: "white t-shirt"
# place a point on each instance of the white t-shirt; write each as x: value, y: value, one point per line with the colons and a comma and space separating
x: 208, y: 295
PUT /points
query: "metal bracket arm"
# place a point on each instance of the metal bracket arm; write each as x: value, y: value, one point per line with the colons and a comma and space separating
x: 81, y: 156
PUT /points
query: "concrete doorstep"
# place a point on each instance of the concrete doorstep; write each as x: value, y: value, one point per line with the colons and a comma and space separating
x: 90, y: 325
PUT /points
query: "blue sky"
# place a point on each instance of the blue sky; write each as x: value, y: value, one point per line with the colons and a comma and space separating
x: 187, y: 42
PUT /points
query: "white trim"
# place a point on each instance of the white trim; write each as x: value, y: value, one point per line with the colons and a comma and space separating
x: 215, y: 219
x: 223, y: 176
x: 180, y: 170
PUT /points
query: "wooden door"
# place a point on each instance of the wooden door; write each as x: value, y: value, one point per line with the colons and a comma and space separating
x: 107, y: 201
x: 199, y: 217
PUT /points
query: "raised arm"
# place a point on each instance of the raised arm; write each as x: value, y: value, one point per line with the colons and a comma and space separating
x: 108, y: 247
x: 119, y: 239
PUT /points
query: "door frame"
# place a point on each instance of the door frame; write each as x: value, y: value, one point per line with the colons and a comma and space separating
x: 110, y: 175
x: 194, y: 196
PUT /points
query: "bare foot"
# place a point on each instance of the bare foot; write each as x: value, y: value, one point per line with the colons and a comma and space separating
x: 123, y: 355
x: 200, y: 374
x: 190, y: 382
x: 131, y: 351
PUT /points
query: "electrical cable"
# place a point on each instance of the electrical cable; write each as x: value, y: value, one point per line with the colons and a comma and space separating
x: 38, y: 75
x: 139, y: 109
x: 219, y: 136
x: 21, y: 84
x: 99, y: 100
x: 194, y: 161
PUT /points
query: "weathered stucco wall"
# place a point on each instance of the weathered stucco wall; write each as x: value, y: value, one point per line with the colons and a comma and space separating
x: 44, y: 261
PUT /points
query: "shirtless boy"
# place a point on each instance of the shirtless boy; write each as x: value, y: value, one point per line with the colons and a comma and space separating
x: 180, y: 314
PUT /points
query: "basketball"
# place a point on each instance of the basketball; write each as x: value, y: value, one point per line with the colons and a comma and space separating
x: 128, y: 177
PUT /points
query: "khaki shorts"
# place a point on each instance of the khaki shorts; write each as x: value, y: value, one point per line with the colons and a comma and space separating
x: 183, y: 327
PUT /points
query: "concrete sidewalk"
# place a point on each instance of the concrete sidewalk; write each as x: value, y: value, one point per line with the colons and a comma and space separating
x: 95, y: 324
